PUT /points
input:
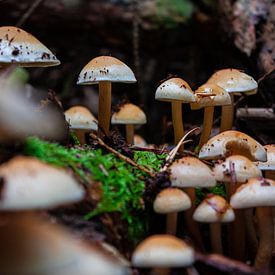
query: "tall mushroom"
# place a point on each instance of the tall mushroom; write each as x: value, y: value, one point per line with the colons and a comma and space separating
x: 130, y: 115
x: 104, y: 70
x: 81, y: 120
x: 234, y: 82
x: 176, y: 91
x: 208, y: 96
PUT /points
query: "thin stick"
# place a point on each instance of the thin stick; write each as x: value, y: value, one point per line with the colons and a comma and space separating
x: 104, y: 107
x: 119, y: 155
x: 171, y: 223
x: 130, y: 132
x: 177, y: 120
x: 227, y: 116
x: 216, y: 238
x: 207, y: 125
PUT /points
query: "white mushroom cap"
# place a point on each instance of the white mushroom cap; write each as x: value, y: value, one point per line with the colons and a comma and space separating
x: 270, y: 163
x: 175, y: 89
x: 232, y: 143
x: 33, y: 246
x: 163, y: 251
x: 139, y: 141
x: 80, y: 117
x: 214, y: 209
x: 191, y: 172
x: 257, y: 192
x: 171, y: 200
x: 106, y: 68
x: 220, y: 97
x: 241, y: 166
x: 28, y: 183
x: 129, y: 114
x: 23, y: 49
x: 234, y: 81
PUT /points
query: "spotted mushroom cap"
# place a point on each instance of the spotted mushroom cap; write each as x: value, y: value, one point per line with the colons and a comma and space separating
x: 171, y: 200
x: 257, y: 192
x: 232, y: 143
x: 270, y: 163
x: 191, y: 172
x: 80, y: 117
x: 214, y: 209
x: 175, y: 89
x: 21, y: 48
x: 234, y: 81
x: 236, y: 166
x: 219, y: 98
x: 163, y: 251
x: 129, y: 114
x: 105, y: 68
x: 29, y: 184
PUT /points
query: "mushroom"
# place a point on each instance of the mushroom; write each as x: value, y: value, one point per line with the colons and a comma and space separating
x: 21, y: 48
x: 217, y: 97
x: 104, y: 70
x: 236, y: 170
x: 139, y: 141
x: 130, y: 115
x: 163, y: 251
x: 260, y: 193
x: 234, y: 82
x: 189, y: 173
x: 81, y: 120
x: 268, y: 166
x: 177, y: 91
x: 214, y: 209
x: 170, y: 201
x: 232, y: 143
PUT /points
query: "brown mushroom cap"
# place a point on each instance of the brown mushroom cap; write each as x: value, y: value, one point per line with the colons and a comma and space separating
x: 139, y: 141
x: 214, y: 209
x: 129, y: 114
x: 241, y: 166
x: 234, y: 81
x: 270, y: 163
x: 257, y: 192
x: 232, y: 143
x: 220, y: 97
x: 175, y: 89
x: 21, y: 48
x: 29, y: 184
x: 171, y: 200
x: 163, y: 251
x: 191, y: 172
x: 80, y: 117
x: 105, y: 68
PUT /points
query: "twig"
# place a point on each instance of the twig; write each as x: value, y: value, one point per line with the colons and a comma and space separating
x: 119, y: 155
x: 28, y: 13
x: 103, y: 170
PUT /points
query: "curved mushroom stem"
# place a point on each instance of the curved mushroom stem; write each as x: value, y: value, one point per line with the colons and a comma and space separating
x: 216, y: 238
x: 227, y: 116
x: 177, y: 121
x: 130, y: 132
x: 265, y: 225
x: 80, y: 134
x: 171, y: 223
x: 104, y: 107
x: 207, y: 125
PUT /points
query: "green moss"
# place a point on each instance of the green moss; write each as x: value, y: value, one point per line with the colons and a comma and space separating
x: 122, y: 184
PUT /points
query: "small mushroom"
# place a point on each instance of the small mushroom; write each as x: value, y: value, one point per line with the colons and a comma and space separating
x: 81, y: 120
x: 130, y: 115
x: 104, y: 70
x: 234, y: 82
x: 139, y: 141
x: 170, y: 201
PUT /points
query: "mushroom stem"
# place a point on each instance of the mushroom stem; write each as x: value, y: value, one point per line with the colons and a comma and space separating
x: 171, y: 223
x: 177, y: 121
x: 80, y: 134
x: 227, y: 116
x: 215, y: 236
x: 104, y: 108
x: 265, y: 225
x: 207, y: 125
x: 130, y: 132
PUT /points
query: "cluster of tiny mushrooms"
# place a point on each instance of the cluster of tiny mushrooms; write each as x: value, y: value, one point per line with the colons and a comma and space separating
x: 30, y: 245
